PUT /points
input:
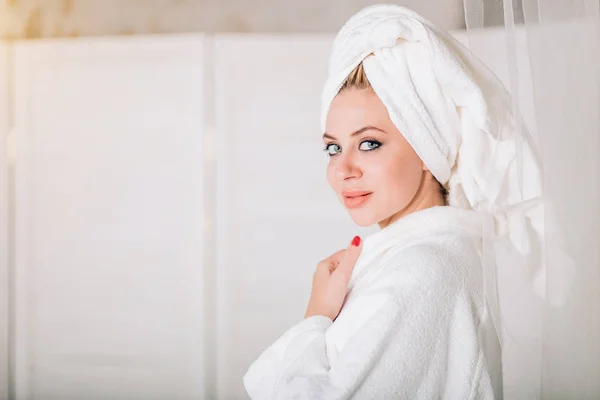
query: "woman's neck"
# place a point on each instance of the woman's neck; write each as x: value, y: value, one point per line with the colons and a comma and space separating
x: 428, y: 195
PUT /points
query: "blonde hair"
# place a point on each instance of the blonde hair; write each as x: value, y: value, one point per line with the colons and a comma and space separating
x: 357, y: 80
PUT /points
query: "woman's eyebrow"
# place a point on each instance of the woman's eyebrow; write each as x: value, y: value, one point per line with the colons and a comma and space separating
x: 358, y: 132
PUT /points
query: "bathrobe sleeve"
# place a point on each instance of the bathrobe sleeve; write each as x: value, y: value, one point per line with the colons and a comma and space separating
x: 409, y: 316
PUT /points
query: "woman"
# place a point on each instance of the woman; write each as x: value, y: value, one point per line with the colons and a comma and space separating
x: 421, y: 141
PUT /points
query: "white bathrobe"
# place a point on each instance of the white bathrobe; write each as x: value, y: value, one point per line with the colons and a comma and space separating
x: 413, y: 325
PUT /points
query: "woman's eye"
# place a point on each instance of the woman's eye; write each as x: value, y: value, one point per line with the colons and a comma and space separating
x: 369, y: 145
x: 332, y: 149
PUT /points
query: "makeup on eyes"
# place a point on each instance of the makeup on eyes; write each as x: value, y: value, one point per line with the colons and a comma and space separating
x: 371, y: 142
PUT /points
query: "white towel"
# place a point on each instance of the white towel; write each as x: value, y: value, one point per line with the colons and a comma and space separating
x: 458, y: 117
x: 413, y: 325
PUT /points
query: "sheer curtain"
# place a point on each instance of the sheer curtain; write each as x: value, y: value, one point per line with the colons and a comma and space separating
x: 552, y: 53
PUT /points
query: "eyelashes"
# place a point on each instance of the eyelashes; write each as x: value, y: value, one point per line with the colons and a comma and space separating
x: 333, y: 149
x: 372, y: 145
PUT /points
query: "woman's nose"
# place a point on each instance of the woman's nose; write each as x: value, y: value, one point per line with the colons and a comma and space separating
x: 346, y: 167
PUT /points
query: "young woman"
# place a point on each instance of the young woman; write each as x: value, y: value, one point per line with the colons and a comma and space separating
x: 422, y: 141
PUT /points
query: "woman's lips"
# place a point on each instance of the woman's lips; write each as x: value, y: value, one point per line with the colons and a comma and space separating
x: 355, y: 199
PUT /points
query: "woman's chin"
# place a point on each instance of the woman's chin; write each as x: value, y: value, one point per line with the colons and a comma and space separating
x: 362, y: 218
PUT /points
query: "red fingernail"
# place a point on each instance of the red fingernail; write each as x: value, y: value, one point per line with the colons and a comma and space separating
x: 356, y: 241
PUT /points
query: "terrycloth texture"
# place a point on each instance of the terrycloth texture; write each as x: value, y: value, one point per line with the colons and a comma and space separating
x: 458, y: 117
x: 413, y: 326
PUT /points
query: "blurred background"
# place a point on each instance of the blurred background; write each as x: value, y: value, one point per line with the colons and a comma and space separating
x: 163, y: 201
x: 73, y: 18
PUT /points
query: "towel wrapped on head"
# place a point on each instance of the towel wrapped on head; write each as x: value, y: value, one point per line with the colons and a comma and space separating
x: 458, y: 117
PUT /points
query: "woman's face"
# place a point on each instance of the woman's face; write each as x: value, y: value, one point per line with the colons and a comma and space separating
x: 373, y: 170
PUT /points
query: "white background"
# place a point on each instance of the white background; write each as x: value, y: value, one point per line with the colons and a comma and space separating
x: 171, y: 206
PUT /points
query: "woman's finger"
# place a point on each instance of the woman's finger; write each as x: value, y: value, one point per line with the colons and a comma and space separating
x: 330, y: 263
x: 343, y: 272
x: 336, y: 257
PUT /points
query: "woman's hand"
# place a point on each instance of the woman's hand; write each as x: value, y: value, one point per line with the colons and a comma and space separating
x: 330, y: 281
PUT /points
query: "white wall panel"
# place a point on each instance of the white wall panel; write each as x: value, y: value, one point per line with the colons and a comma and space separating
x: 277, y: 217
x: 4, y: 273
x: 109, y: 224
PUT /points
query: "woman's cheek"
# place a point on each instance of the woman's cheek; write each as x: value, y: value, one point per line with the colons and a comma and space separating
x: 408, y: 180
x: 331, y: 176
x: 395, y: 182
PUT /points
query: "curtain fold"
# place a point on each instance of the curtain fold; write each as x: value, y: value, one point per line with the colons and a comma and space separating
x: 553, y: 65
